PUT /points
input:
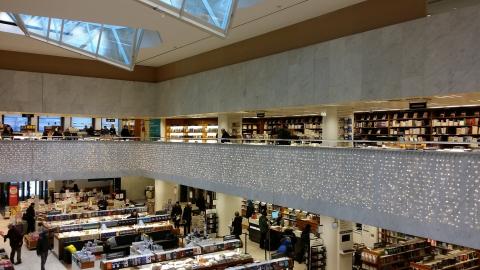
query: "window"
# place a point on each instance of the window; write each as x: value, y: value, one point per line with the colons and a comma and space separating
x: 108, y: 122
x: 15, y: 121
x: 81, y: 122
x: 116, y: 45
x: 49, y: 121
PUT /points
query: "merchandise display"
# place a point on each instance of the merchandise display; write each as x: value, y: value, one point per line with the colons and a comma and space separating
x: 317, y: 257
x: 457, y: 259
x: 157, y: 257
x: 192, y: 130
x: 100, y: 213
x: 397, y: 256
x: 308, y: 127
x: 220, y: 260
x: 275, y: 264
x: 457, y: 124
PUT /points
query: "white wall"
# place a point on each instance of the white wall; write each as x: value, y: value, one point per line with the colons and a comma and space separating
x: 226, y: 206
x: 135, y: 186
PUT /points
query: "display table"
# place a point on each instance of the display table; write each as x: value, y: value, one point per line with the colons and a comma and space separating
x: 31, y: 240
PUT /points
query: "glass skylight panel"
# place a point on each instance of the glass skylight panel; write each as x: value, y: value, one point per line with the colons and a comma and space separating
x: 116, y: 45
x: 211, y: 15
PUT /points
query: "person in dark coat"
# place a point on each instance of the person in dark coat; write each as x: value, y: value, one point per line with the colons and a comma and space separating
x: 250, y: 209
x: 225, y: 136
x: 113, y: 131
x: 30, y: 218
x: 264, y: 228
x: 176, y: 214
x: 237, y: 225
x: 187, y: 218
x: 125, y: 132
x: 102, y: 204
x: 16, y: 241
x: 201, y: 204
x: 43, y: 246
x: 75, y: 188
x: 305, y: 241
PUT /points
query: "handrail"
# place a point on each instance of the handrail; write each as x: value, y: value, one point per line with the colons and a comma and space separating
x: 257, y: 141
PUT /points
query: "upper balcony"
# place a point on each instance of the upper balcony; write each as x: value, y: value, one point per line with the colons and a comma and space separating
x: 434, y: 194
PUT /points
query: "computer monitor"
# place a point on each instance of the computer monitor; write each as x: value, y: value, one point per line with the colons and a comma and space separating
x: 274, y: 214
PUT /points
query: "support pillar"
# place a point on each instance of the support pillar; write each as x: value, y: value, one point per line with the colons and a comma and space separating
x: 165, y: 191
x: 232, y: 123
x: 331, y: 239
x: 226, y: 206
x: 330, y: 126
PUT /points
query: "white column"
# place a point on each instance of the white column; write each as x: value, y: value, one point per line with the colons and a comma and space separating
x: 33, y: 122
x: 165, y: 191
x: 330, y: 126
x: 331, y: 240
x: 163, y: 128
x: 67, y: 122
x: 226, y: 206
x: 98, y: 124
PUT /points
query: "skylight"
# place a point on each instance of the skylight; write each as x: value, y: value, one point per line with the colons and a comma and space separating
x: 116, y: 45
x: 8, y: 25
x: 211, y: 15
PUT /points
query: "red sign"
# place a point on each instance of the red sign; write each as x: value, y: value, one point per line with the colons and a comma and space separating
x: 13, y: 196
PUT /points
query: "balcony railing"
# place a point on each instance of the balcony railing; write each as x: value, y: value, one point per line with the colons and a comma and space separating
x: 434, y: 194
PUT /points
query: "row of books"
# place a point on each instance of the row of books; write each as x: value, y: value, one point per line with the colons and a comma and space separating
x: 275, y: 264
x: 100, y: 213
x: 138, y: 260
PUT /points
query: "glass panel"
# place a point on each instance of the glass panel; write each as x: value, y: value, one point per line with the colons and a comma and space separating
x: 173, y: 3
x: 108, y: 122
x: 81, y: 35
x: 55, y: 29
x: 48, y: 121
x: 15, y: 121
x: 81, y: 122
x: 213, y: 12
x: 116, y: 43
x: 36, y: 25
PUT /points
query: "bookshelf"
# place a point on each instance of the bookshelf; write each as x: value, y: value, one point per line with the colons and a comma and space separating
x: 304, y: 127
x: 395, y: 257
x: 194, y: 130
x: 317, y: 258
x: 457, y: 124
x: 457, y: 259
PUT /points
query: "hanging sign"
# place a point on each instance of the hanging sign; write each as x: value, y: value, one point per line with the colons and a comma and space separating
x: 13, y: 195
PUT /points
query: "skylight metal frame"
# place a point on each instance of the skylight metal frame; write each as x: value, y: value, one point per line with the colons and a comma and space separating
x: 181, y: 14
x: 137, y: 37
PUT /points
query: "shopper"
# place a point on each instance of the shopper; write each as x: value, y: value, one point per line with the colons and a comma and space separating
x: 305, y: 242
x: 225, y: 136
x: 113, y: 131
x: 237, y: 225
x: 286, y: 247
x: 16, y: 241
x: 102, y: 204
x: 284, y: 135
x: 187, y: 218
x: 279, y: 220
x: 264, y: 228
x: 176, y: 214
x: 201, y: 204
x: 7, y: 132
x: 125, y: 133
x: 250, y: 209
x: 43, y: 246
x: 30, y: 218
x: 56, y: 134
x: 75, y: 188
x: 91, y: 131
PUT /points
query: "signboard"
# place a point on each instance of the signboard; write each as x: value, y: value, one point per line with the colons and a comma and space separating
x: 418, y: 105
x: 261, y: 114
x: 13, y: 195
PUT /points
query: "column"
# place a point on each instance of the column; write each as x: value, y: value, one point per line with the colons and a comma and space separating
x: 232, y: 123
x: 226, y: 206
x: 331, y: 240
x: 330, y: 126
x: 163, y: 128
x: 67, y: 122
x: 98, y: 124
x: 165, y: 191
x: 33, y: 122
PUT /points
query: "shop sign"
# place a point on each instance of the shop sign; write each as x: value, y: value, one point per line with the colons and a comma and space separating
x: 13, y: 195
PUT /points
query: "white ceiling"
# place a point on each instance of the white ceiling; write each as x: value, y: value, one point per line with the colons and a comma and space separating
x: 180, y: 40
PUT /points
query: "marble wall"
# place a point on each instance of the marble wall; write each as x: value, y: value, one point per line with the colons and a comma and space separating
x: 430, y: 194
x: 62, y: 94
x: 435, y: 55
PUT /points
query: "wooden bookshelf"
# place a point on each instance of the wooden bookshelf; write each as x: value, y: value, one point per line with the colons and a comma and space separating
x: 456, y: 259
x: 308, y: 127
x: 459, y: 124
x: 193, y: 130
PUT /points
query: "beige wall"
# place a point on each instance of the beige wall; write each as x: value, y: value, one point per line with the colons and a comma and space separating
x: 135, y: 186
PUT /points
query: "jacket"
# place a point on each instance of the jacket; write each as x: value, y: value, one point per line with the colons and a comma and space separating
x: 30, y: 214
x: 15, y: 237
x: 250, y: 209
x: 43, y: 244
x: 237, y: 225
x: 263, y: 223
x: 176, y: 212
x: 187, y: 214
